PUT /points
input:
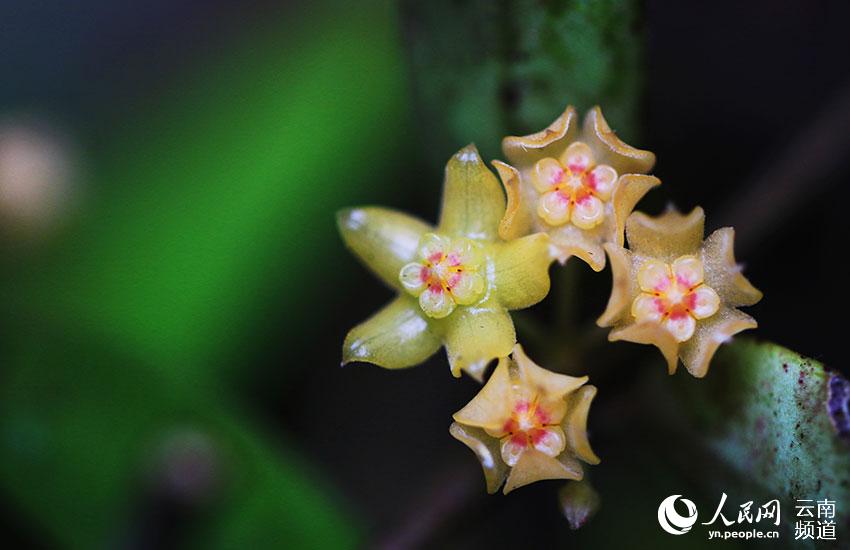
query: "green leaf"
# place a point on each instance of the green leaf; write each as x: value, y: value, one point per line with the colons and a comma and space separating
x: 762, y: 409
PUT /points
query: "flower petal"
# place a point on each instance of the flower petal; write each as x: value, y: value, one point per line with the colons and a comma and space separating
x: 467, y: 288
x: 588, y: 212
x: 465, y: 252
x: 650, y: 333
x: 549, y: 384
x: 609, y: 149
x: 383, y: 239
x: 653, y: 276
x: 411, y: 278
x: 630, y: 189
x: 602, y: 180
x: 473, y: 201
x: 476, y: 335
x: 397, y: 336
x: 524, y: 151
x: 436, y: 302
x: 575, y: 424
x: 554, y: 208
x: 512, y: 447
x: 522, y: 271
x: 623, y: 288
x: 570, y: 240
x: 681, y: 327
x: 646, y: 308
x: 517, y: 220
x: 487, y: 450
x: 535, y: 466
x: 577, y: 157
x: 547, y: 173
x: 666, y: 237
x: 432, y: 247
x: 723, y: 273
x: 688, y: 271
x: 706, y: 302
x: 711, y: 333
x: 550, y: 440
x: 492, y: 405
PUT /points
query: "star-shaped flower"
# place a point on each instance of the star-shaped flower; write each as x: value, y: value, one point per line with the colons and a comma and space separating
x: 676, y: 291
x: 527, y: 424
x: 576, y: 184
x: 456, y: 282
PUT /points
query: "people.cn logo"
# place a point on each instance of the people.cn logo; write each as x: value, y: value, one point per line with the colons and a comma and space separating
x: 671, y: 521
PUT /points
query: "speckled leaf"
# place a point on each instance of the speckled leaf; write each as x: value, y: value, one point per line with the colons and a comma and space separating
x: 779, y: 420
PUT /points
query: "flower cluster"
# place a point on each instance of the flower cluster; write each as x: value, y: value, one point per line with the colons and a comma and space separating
x: 568, y: 191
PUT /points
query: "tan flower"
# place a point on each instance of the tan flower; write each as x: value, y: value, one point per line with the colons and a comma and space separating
x: 576, y: 184
x: 676, y: 291
x: 527, y: 424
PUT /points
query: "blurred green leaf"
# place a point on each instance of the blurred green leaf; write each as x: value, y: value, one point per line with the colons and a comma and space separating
x: 483, y: 70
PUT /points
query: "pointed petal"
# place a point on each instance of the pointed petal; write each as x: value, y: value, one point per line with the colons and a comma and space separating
x: 551, y: 385
x: 491, y: 407
x: 383, y: 239
x: 688, y: 270
x: 486, y: 449
x: 554, y: 208
x: 706, y: 302
x: 575, y: 424
x: 602, y: 180
x: 667, y: 236
x: 522, y: 271
x: 630, y: 189
x: 624, y: 286
x: 650, y: 333
x: 524, y: 151
x: 723, y: 274
x: 397, y: 336
x: 569, y: 240
x: 517, y: 219
x: 682, y: 327
x: 436, y: 303
x: 535, y: 466
x: 547, y: 173
x: 710, y: 334
x: 610, y: 150
x: 476, y: 335
x: 588, y: 213
x: 577, y: 157
x: 473, y: 201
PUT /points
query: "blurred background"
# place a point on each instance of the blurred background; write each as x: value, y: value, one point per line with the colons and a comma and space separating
x: 174, y: 294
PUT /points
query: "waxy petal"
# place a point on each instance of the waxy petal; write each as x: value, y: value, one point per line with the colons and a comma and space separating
x: 476, y: 335
x: 575, y: 424
x: 554, y: 208
x: 711, y: 333
x: 602, y: 180
x: 473, y: 201
x: 468, y: 288
x: 411, y: 278
x: 550, y: 441
x: 395, y: 337
x: 723, y: 274
x: 653, y: 276
x: 522, y: 271
x: 492, y: 405
x: 547, y: 174
x: 681, y: 327
x: 577, y: 157
x: 650, y: 333
x: 511, y: 449
x: 624, y: 286
x: 630, y: 189
x: 687, y: 271
x: 436, y: 303
x: 487, y: 450
x: 535, y: 466
x: 666, y: 237
x: 609, y: 149
x: 645, y: 309
x: 550, y: 385
x: 517, y: 220
x: 524, y: 151
x: 706, y: 302
x: 383, y: 239
x: 588, y: 213
x: 432, y: 247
